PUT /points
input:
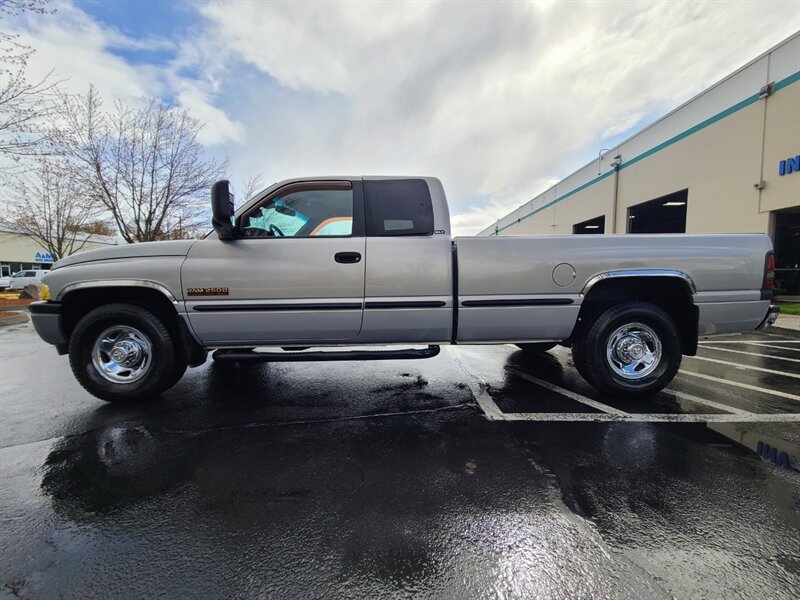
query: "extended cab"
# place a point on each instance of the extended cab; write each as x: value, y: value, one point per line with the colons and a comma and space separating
x: 338, y: 261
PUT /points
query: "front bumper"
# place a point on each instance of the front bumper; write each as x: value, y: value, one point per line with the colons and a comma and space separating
x: 772, y: 316
x: 46, y: 318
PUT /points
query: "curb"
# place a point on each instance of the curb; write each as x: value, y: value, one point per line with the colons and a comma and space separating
x: 14, y: 307
x: 14, y: 319
x: 788, y: 322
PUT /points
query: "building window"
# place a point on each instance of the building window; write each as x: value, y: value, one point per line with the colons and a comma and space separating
x: 596, y: 225
x: 662, y: 215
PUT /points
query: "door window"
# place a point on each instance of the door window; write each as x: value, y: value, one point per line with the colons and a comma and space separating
x: 302, y: 211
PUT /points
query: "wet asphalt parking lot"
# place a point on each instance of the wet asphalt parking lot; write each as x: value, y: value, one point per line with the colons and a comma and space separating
x: 478, y: 473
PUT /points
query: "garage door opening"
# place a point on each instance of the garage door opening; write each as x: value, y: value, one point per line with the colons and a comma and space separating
x: 787, y: 252
x: 596, y: 225
x: 662, y: 215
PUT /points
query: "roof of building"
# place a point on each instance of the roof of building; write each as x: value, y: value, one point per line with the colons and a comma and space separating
x: 92, y: 238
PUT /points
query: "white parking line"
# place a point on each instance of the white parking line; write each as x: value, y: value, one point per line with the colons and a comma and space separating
x: 770, y: 356
x: 487, y: 404
x: 743, y: 366
x: 711, y: 403
x: 746, y: 386
x: 653, y: 418
x: 778, y: 347
x: 756, y: 342
x: 493, y: 413
x: 565, y: 392
x: 610, y: 414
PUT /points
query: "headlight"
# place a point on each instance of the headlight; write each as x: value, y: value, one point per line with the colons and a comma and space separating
x: 44, y: 292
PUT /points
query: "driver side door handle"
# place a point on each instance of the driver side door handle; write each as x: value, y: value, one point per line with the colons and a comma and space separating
x: 347, y: 257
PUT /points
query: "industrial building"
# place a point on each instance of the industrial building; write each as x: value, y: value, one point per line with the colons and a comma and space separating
x: 726, y: 161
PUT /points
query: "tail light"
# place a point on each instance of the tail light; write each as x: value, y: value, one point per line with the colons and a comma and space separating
x: 769, y: 272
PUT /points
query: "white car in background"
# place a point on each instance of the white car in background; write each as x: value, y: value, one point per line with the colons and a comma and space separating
x: 29, y: 277
x: 5, y: 282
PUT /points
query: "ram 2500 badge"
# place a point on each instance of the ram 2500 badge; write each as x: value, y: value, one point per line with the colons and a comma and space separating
x: 337, y: 261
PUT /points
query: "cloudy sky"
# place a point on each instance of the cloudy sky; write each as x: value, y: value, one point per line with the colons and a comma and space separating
x: 499, y: 100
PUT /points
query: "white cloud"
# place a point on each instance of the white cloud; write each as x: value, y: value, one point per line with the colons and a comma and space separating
x: 497, y: 99
x: 80, y: 51
x: 76, y: 48
x: 218, y: 127
x: 494, y: 98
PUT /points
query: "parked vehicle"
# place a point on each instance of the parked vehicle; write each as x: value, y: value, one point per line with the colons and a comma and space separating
x: 30, y: 277
x: 5, y: 282
x: 359, y: 261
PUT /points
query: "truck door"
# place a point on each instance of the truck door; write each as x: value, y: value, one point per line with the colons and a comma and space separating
x: 409, y: 285
x: 295, y: 276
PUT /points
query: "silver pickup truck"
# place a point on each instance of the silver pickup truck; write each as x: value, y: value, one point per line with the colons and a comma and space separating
x: 359, y: 261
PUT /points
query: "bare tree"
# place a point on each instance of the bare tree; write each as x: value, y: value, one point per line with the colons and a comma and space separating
x: 143, y: 165
x: 251, y: 187
x: 24, y: 105
x: 98, y: 227
x: 46, y: 204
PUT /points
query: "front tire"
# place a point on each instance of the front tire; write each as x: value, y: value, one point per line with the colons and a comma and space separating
x: 123, y: 352
x: 631, y: 350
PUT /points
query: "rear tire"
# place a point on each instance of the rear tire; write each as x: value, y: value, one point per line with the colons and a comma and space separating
x: 538, y: 347
x: 631, y: 350
x: 122, y: 352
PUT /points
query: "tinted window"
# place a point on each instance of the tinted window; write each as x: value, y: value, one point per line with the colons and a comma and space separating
x: 398, y: 207
x: 302, y: 213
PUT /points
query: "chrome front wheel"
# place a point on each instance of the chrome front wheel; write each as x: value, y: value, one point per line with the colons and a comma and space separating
x: 122, y: 354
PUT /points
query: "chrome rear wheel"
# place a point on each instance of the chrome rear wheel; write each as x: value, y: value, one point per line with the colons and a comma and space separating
x: 633, y: 351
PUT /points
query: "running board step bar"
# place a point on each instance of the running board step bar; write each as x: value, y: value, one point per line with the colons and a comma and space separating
x: 322, y: 355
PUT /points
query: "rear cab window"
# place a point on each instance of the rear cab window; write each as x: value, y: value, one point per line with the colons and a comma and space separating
x: 397, y: 207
